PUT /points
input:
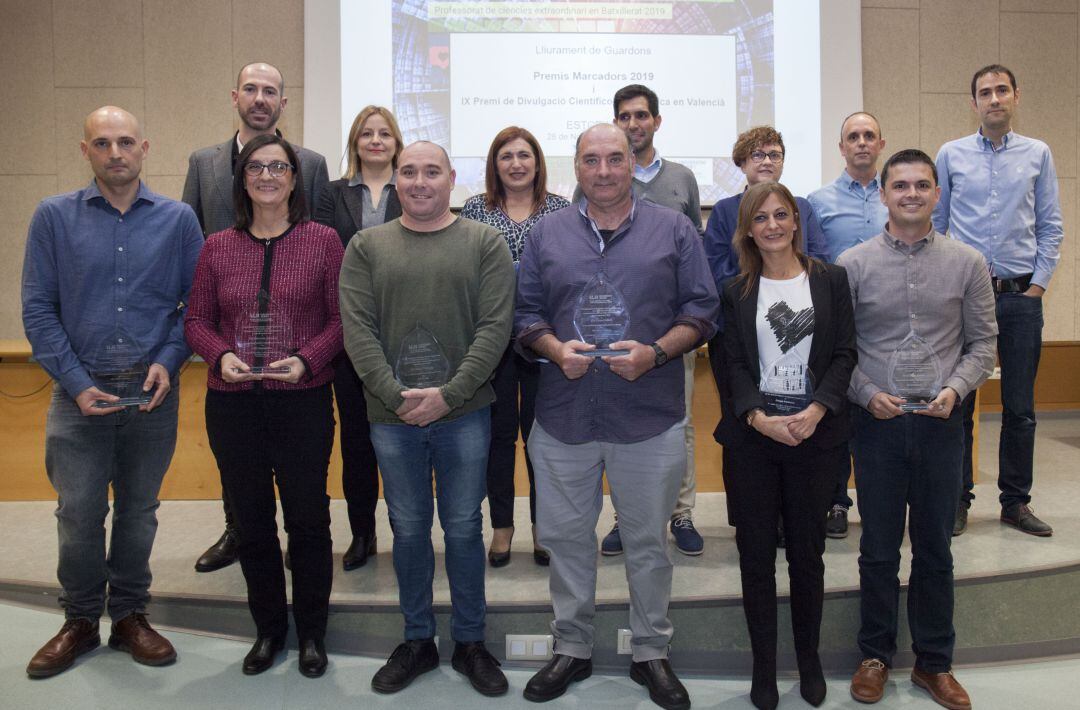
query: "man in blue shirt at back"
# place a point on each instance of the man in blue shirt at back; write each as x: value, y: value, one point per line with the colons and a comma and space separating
x: 851, y: 212
x: 107, y: 272
x: 999, y: 193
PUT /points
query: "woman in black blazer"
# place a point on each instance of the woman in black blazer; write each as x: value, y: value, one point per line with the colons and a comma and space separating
x: 785, y: 450
x: 364, y: 197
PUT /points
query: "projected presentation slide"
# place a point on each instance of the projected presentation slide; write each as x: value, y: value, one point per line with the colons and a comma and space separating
x: 465, y: 70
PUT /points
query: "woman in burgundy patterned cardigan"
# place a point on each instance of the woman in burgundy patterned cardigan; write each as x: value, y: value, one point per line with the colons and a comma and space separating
x: 264, y: 316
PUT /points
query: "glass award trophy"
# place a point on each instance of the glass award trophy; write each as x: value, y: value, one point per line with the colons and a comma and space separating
x: 263, y: 336
x: 120, y: 368
x: 914, y: 373
x: 421, y: 361
x: 601, y: 316
x: 787, y: 385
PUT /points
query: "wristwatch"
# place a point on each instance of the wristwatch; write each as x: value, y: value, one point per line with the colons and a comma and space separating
x: 661, y: 356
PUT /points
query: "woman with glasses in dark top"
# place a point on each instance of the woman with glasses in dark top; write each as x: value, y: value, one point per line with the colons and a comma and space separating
x: 789, y: 345
x: 515, y: 199
x: 264, y: 316
x: 365, y: 196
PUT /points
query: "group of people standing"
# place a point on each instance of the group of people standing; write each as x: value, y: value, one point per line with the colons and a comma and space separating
x: 441, y: 337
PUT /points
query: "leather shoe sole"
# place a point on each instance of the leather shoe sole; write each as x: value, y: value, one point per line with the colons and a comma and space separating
x: 922, y: 683
x: 312, y: 659
x: 558, y: 690
x: 261, y: 656
x: 118, y: 644
x: 355, y: 559
x: 219, y: 555
x: 1018, y: 523
x: 642, y: 678
x: 62, y: 665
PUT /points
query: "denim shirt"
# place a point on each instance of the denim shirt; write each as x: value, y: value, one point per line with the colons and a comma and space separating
x: 91, y: 274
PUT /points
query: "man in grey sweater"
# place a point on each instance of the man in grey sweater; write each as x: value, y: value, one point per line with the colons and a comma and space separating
x: 426, y: 305
x: 926, y: 332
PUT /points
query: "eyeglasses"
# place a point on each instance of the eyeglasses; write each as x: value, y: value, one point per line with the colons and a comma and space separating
x: 277, y: 168
x: 758, y: 156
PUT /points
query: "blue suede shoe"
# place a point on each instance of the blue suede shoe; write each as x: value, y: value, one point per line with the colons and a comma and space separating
x: 612, y: 544
x: 687, y: 539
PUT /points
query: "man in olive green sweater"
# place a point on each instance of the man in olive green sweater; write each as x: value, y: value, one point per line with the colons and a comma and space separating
x: 426, y: 306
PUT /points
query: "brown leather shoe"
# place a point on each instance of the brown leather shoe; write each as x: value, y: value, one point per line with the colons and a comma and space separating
x: 943, y: 688
x: 134, y: 635
x: 76, y: 637
x: 868, y: 683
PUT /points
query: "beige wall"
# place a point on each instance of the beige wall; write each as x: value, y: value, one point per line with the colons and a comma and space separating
x: 918, y: 58
x: 173, y: 63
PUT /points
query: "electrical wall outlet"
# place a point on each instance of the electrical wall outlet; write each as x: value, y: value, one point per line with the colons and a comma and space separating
x: 529, y: 647
x: 623, y: 643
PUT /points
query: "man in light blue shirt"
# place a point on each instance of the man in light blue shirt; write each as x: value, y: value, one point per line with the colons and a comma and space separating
x: 999, y: 193
x: 850, y: 212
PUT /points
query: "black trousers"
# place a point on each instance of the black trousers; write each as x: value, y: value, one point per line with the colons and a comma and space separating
x: 770, y: 480
x: 283, y: 437
x: 359, y: 467
x: 513, y: 375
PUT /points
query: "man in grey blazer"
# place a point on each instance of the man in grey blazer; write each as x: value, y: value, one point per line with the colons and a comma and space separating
x: 259, y: 99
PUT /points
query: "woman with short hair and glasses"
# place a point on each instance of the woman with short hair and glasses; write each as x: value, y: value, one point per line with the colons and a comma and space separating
x: 515, y: 199
x: 264, y: 316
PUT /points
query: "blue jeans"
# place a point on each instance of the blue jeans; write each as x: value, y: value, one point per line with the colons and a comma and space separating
x: 906, y: 467
x: 1020, y: 323
x: 130, y: 450
x: 457, y: 450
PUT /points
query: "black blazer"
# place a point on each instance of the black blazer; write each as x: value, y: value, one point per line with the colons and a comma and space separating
x: 832, y: 356
x: 340, y: 207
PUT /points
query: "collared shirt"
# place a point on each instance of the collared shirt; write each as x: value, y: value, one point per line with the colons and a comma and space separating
x: 849, y: 213
x: 939, y: 290
x: 656, y: 262
x: 720, y: 230
x: 91, y: 274
x: 1004, y: 202
x: 372, y: 215
x: 647, y: 173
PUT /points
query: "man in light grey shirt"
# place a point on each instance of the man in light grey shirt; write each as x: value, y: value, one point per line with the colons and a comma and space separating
x: 915, y: 289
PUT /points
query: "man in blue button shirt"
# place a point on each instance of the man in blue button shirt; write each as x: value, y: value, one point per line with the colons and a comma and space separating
x: 999, y: 193
x: 851, y: 212
x: 108, y: 267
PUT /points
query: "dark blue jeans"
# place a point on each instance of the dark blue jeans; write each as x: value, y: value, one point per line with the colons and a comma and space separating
x: 457, y: 450
x: 131, y: 451
x: 906, y: 467
x: 1020, y: 323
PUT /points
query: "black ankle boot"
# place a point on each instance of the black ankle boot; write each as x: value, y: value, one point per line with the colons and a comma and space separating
x: 763, y: 692
x: 811, y: 679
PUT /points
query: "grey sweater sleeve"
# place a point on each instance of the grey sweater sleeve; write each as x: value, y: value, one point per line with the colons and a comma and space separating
x: 494, y: 314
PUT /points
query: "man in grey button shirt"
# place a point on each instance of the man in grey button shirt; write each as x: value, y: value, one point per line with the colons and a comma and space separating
x: 907, y: 281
